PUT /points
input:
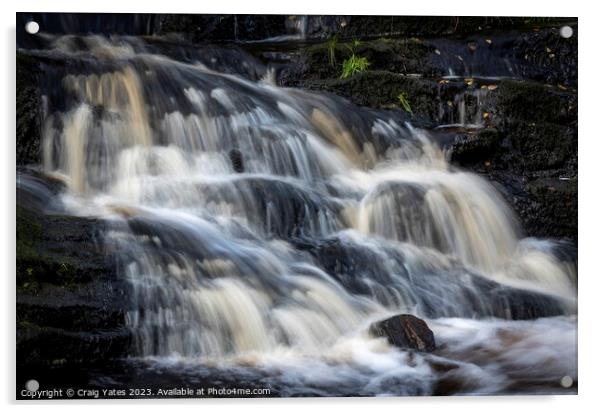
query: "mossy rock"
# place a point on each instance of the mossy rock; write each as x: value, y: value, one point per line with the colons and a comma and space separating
x: 543, y: 146
x: 554, y: 210
x: 393, y: 55
x: 379, y: 89
x: 34, y: 265
x: 534, y: 102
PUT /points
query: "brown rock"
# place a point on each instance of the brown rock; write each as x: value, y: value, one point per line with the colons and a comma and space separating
x: 405, y: 331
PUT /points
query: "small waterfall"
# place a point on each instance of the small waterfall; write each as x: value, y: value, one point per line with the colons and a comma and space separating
x: 297, y: 26
x: 328, y: 217
x: 466, y: 108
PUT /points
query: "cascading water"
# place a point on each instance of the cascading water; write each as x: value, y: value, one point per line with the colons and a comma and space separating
x: 330, y: 218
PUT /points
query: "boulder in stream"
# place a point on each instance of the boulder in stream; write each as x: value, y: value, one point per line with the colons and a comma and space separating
x: 405, y: 331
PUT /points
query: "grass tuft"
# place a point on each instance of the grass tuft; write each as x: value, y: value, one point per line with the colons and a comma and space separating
x: 332, y: 48
x: 403, y: 101
x: 353, y: 65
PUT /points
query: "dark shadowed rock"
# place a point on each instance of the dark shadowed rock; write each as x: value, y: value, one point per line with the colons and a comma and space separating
x: 71, y: 302
x: 405, y: 331
x: 236, y: 160
x: 28, y: 111
x: 479, y: 147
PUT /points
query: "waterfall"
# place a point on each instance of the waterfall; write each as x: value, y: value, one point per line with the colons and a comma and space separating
x: 330, y: 217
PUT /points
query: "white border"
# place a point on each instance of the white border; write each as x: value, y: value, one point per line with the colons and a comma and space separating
x: 590, y: 175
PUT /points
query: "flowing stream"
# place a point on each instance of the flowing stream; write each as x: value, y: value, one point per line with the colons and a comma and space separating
x: 263, y: 229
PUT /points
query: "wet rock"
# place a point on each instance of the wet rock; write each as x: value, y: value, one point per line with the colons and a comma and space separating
x: 236, y: 160
x: 324, y: 60
x: 47, y: 346
x: 452, y: 380
x: 542, y: 146
x: 276, y: 207
x: 377, y: 26
x: 409, y: 218
x: 405, y: 331
x: 533, y: 102
x: 220, y: 27
x: 479, y: 147
x: 515, y: 54
x: 427, y: 26
x: 382, y: 89
x: 524, y: 148
x: 283, y: 209
x: 28, y: 111
x: 548, y: 206
x: 37, y: 191
x: 384, y: 273
x: 531, y: 156
x: 516, y: 304
x: 548, y: 57
x: 71, y: 303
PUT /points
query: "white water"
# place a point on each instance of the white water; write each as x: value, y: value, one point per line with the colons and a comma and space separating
x: 233, y: 268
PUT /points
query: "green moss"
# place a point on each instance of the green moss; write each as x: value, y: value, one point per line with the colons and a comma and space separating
x: 29, y: 233
x: 381, y: 89
x: 33, y: 266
